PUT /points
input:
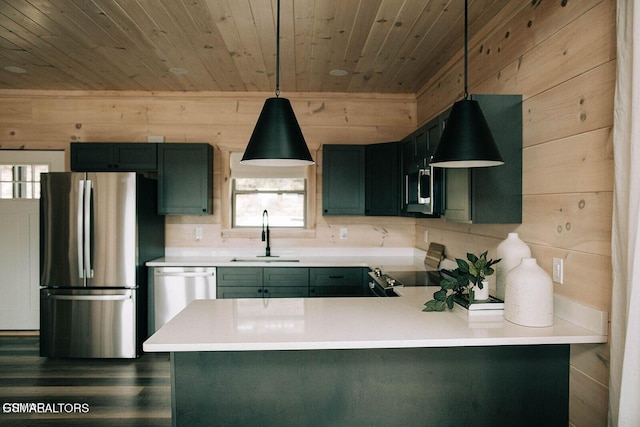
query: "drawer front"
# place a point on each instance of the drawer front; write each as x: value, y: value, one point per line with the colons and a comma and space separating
x: 239, y: 276
x: 336, y: 276
x: 230, y: 292
x: 286, y: 276
x: 338, y: 291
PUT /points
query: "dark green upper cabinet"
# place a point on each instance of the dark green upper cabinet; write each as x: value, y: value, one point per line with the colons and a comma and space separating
x: 343, y: 180
x: 185, y: 179
x: 421, y: 184
x: 491, y: 195
x: 382, y: 185
x: 113, y: 157
x: 361, y: 179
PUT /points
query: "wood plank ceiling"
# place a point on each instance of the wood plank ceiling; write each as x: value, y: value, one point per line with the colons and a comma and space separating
x: 384, y: 46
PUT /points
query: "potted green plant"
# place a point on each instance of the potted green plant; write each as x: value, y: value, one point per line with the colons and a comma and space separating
x: 470, y: 272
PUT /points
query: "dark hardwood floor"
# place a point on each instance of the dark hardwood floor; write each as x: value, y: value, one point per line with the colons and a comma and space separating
x: 81, y: 392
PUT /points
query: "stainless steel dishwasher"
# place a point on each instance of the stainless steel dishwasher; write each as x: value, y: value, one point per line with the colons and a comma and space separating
x: 175, y: 287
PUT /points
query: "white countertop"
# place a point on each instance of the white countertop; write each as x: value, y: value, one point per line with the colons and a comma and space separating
x: 346, y: 323
x: 385, y: 258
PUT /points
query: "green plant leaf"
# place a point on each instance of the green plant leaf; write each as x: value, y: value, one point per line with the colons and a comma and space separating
x: 440, y: 295
x: 471, y: 257
x: 448, y: 283
x: 463, y: 266
x: 473, y: 270
x: 433, y: 305
x: 450, y: 301
x: 463, y: 281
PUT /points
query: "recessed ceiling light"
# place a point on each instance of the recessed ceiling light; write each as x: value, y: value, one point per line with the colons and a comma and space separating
x: 177, y: 70
x: 338, y: 73
x: 17, y: 70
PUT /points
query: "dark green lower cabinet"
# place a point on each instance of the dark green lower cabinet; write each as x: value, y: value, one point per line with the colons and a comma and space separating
x: 291, y: 282
x: 262, y: 292
x: 522, y: 386
x: 259, y: 282
x: 337, y: 282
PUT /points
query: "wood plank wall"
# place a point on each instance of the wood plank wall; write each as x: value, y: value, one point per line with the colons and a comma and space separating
x: 50, y: 120
x: 561, y: 57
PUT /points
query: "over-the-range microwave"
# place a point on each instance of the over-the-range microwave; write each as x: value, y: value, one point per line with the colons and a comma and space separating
x: 423, y: 191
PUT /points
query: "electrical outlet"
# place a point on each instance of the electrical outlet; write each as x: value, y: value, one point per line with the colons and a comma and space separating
x: 344, y: 233
x: 198, y: 233
x: 558, y: 270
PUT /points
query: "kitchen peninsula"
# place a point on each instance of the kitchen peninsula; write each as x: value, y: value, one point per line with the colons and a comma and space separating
x: 363, y: 361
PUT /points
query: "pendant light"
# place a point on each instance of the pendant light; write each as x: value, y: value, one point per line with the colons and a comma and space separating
x: 466, y: 140
x: 277, y: 139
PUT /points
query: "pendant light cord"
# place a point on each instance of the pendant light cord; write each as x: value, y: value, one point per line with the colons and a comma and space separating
x: 278, y: 51
x: 466, y: 36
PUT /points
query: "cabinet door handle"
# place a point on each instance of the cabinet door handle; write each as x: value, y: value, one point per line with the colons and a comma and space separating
x: 336, y: 277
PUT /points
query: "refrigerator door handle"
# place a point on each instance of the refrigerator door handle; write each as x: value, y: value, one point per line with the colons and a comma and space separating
x: 80, y: 222
x: 89, y: 297
x: 87, y: 230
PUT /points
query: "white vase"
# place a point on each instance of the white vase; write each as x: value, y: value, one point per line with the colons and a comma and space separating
x: 511, y: 251
x: 481, y: 294
x: 528, y: 299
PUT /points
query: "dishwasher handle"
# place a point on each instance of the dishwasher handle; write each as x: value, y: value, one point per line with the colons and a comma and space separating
x: 185, y: 273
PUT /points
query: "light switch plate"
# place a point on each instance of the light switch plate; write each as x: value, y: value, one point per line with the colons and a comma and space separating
x: 558, y: 270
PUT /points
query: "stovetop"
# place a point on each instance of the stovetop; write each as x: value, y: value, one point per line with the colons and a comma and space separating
x: 416, y: 278
x: 384, y: 282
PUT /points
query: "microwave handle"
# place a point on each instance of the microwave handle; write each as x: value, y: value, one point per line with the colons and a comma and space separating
x: 421, y: 174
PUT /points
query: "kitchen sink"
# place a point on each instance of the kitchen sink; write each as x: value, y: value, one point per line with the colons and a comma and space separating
x: 264, y: 259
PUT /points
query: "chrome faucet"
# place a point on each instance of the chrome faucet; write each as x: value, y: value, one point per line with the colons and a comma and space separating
x: 265, y: 232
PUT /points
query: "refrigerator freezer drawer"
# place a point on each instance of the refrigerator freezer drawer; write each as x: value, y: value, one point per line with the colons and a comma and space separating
x: 97, y: 323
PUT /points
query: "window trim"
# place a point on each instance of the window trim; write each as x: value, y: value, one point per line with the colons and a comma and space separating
x: 251, y: 232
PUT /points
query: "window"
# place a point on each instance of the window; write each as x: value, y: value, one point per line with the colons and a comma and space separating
x: 282, y: 191
x: 21, y: 181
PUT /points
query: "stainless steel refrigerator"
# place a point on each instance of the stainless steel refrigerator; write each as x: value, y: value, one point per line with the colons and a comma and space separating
x: 97, y: 230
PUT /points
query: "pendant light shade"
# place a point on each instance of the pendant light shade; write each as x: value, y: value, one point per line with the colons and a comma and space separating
x: 277, y: 139
x: 466, y: 141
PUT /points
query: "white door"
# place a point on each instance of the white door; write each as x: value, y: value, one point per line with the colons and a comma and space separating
x: 19, y: 237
